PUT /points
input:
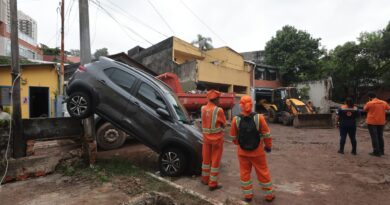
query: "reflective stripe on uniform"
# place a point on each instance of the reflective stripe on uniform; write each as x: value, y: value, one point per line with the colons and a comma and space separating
x: 211, y: 131
x: 214, y: 169
x: 257, y: 122
x: 267, y: 135
x: 214, y: 118
x: 268, y: 192
x: 265, y: 185
x: 205, y: 166
x: 205, y: 174
x: 247, y: 183
x: 247, y: 192
x: 213, y: 178
x: 231, y: 137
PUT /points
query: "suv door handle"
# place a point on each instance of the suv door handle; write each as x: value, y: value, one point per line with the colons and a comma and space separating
x: 102, y: 81
x: 136, y: 103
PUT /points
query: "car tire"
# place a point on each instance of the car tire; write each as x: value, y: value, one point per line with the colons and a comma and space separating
x: 172, y: 162
x: 287, y: 119
x: 79, y: 105
x: 272, y: 117
x: 109, y: 137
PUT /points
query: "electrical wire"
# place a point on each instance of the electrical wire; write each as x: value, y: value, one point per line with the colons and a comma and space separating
x: 95, y: 22
x: 161, y: 16
x: 9, y: 136
x: 132, y: 17
x: 121, y: 25
x: 201, y: 21
x: 67, y: 15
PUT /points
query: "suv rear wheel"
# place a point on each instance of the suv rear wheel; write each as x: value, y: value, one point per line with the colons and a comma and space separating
x: 79, y: 105
x: 172, y: 162
x: 109, y: 137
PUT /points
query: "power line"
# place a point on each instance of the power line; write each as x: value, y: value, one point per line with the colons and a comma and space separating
x: 161, y: 16
x: 121, y: 25
x: 201, y: 21
x: 94, y: 31
x: 132, y: 17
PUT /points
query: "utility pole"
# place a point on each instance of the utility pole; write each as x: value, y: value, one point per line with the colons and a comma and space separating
x: 62, y: 47
x: 89, y: 142
x: 19, y: 145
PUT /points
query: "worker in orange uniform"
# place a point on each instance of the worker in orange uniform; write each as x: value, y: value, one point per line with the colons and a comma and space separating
x: 376, y: 120
x: 250, y: 132
x: 213, y: 122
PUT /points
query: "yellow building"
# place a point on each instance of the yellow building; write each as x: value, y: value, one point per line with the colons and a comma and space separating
x: 220, y: 68
x: 39, y: 84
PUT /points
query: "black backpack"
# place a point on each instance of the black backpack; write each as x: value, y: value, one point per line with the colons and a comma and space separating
x: 248, y: 132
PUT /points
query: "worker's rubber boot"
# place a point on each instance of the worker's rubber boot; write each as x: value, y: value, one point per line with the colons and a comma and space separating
x: 215, y: 188
x: 340, y: 151
x: 248, y: 200
x: 269, y: 197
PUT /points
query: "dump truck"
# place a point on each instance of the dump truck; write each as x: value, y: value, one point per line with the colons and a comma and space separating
x: 285, y: 107
x: 194, y: 101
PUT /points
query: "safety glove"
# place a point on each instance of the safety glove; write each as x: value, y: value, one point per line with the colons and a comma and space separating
x: 267, y: 149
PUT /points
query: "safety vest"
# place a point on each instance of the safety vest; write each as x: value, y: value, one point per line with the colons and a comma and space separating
x: 213, y: 129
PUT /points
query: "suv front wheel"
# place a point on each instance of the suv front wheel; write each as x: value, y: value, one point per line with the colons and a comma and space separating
x: 79, y: 105
x: 172, y: 162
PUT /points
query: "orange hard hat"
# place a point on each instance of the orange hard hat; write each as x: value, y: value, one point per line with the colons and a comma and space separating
x: 212, y: 94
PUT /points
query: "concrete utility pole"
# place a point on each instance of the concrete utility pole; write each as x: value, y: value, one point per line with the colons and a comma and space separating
x: 19, y: 145
x: 62, y: 46
x: 89, y: 142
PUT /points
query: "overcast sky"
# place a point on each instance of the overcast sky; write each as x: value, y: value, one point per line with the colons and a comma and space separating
x: 244, y: 25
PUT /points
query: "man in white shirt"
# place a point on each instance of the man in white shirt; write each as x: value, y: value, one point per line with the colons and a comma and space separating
x: 4, y: 115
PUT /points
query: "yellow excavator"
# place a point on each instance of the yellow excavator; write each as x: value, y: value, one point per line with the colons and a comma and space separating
x: 285, y: 107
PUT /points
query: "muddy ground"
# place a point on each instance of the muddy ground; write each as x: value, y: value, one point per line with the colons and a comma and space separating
x: 305, y: 169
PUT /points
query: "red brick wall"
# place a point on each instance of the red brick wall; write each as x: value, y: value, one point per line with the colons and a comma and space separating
x: 267, y: 83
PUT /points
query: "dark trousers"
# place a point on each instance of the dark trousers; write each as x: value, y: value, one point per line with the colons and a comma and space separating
x: 376, y: 133
x: 351, y: 131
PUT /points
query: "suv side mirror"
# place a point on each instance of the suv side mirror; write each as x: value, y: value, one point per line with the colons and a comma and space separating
x: 163, y: 113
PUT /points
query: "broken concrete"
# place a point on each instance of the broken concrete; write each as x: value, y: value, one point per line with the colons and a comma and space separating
x: 152, y: 198
x: 23, y: 168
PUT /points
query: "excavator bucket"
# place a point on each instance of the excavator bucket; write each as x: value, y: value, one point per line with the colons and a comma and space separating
x: 313, y: 121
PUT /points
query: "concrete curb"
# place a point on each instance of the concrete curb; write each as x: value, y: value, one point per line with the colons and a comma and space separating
x: 185, y: 190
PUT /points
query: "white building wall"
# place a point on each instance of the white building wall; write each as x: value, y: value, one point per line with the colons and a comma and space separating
x: 319, y: 93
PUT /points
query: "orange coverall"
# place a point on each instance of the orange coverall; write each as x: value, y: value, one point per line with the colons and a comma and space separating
x: 255, y: 158
x: 376, y: 112
x: 213, y: 122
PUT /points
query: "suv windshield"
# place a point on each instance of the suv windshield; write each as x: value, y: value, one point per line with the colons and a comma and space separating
x: 178, y: 107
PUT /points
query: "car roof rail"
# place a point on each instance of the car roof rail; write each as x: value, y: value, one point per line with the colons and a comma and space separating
x: 103, y: 58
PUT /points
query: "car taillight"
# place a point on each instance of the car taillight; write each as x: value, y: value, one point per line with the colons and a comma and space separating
x: 82, y: 68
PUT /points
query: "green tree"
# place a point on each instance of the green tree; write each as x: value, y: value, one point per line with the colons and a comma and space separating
x: 74, y: 52
x: 50, y: 51
x: 361, y: 64
x: 204, y: 43
x: 296, y: 53
x: 100, y: 52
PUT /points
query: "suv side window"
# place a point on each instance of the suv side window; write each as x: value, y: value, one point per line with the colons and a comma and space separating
x: 121, y: 78
x: 150, y: 96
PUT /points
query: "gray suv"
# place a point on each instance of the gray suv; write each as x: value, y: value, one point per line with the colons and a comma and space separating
x: 140, y: 105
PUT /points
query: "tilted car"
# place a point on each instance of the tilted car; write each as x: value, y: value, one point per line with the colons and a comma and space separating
x: 140, y: 105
